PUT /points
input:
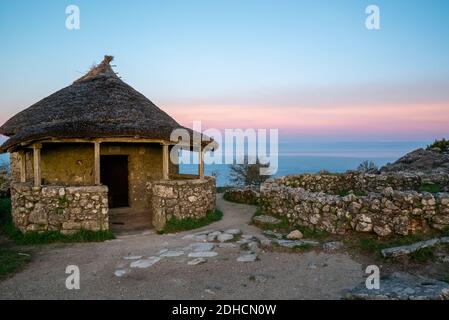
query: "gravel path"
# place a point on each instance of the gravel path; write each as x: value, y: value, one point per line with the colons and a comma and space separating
x: 106, y: 274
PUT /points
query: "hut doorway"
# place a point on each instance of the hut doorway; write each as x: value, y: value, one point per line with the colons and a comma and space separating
x: 114, y: 174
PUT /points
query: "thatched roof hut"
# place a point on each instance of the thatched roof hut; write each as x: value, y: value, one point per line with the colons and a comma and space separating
x: 97, y: 105
x: 100, y: 144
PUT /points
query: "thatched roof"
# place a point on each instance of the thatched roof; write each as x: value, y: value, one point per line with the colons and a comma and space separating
x: 98, y: 105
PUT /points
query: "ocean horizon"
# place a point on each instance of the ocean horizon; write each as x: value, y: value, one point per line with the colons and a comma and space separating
x: 312, y: 156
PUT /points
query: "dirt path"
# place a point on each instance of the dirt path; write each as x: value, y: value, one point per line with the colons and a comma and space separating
x: 274, y: 276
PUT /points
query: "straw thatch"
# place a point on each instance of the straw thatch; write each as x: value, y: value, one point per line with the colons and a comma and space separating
x: 98, y: 105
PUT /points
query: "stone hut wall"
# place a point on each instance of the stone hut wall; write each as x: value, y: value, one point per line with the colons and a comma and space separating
x: 181, y: 199
x: 72, y: 165
x: 383, y: 212
x: 59, y: 208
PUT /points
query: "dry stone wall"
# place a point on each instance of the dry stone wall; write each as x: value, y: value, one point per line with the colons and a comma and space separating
x: 372, y: 206
x: 64, y: 209
x: 181, y: 199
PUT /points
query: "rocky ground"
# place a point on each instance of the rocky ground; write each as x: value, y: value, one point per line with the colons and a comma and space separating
x: 230, y: 259
x: 421, y: 160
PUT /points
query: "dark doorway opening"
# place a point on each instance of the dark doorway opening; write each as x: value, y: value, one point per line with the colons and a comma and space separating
x: 114, y: 174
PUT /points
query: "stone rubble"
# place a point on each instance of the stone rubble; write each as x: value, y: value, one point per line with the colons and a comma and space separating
x: 265, y: 219
x: 196, y: 261
x: 402, y: 286
x: 145, y: 263
x: 250, y: 257
x: 407, y: 249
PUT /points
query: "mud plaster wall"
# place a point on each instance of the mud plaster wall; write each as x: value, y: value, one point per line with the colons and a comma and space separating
x: 72, y: 165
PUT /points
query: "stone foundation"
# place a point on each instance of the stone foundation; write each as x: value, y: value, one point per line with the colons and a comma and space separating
x: 64, y: 209
x: 181, y: 199
x: 307, y: 200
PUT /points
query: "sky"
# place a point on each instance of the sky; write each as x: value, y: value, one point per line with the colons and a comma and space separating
x: 308, y: 68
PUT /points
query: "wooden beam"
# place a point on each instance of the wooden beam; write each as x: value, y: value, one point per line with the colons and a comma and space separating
x: 165, y: 157
x: 23, y: 166
x: 37, y: 164
x: 201, y: 163
x: 97, y: 163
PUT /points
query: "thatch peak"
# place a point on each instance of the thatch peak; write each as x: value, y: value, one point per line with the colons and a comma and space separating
x: 102, y: 69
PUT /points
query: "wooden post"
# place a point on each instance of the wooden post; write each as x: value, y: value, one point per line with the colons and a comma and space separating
x: 23, y: 166
x: 201, y: 163
x: 37, y: 165
x: 165, y: 161
x: 97, y: 163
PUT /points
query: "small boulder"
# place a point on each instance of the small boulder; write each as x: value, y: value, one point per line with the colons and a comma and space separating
x: 295, y: 235
x: 225, y: 237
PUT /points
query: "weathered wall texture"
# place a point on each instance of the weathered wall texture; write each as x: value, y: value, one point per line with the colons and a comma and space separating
x: 58, y: 208
x: 180, y: 199
x: 72, y: 165
x: 359, y: 182
x: 384, y: 213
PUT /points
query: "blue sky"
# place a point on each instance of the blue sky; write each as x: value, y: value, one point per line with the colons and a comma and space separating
x: 257, y: 59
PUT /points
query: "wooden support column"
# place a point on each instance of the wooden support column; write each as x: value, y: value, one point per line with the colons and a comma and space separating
x: 165, y: 163
x: 97, y: 163
x: 37, y: 165
x: 201, y: 163
x: 23, y: 166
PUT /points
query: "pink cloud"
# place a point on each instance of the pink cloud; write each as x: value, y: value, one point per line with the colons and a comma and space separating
x: 411, y: 119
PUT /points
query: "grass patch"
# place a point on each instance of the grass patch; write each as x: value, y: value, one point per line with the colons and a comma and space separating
x: 373, y: 245
x: 430, y: 187
x: 344, y: 193
x: 304, y: 247
x: 313, y: 234
x: 422, y: 255
x: 11, y: 261
x: 33, y: 238
x: 177, y: 225
x: 445, y: 232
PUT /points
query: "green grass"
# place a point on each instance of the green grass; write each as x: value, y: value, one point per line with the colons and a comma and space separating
x: 343, y: 193
x: 304, y: 247
x: 11, y: 261
x: 445, y: 232
x: 177, y: 225
x: 373, y: 245
x: 430, y: 187
x: 8, y: 228
x: 423, y: 255
x: 308, y: 233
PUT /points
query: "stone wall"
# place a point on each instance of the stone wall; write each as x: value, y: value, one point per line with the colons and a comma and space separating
x: 360, y: 182
x: 246, y: 196
x: 56, y: 208
x: 71, y: 164
x: 384, y: 212
x: 181, y: 198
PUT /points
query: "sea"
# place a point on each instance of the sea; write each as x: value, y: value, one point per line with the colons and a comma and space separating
x: 296, y: 156
x: 299, y: 156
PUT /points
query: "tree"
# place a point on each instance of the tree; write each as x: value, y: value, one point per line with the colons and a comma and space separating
x: 248, y: 174
x: 368, y: 167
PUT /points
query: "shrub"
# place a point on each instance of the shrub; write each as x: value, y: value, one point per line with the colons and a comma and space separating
x: 442, y: 144
x: 367, y: 167
x: 248, y: 174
